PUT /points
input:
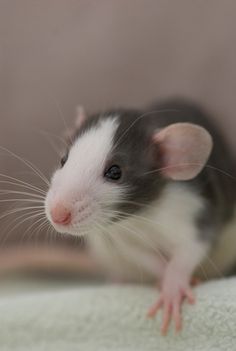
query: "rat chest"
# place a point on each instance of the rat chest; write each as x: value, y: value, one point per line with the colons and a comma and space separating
x: 126, y: 252
x: 134, y: 248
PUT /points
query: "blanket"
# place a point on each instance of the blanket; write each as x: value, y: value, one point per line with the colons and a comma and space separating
x: 113, y: 317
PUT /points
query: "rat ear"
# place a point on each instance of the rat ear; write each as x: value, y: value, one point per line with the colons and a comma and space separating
x: 185, y: 149
x: 80, y: 116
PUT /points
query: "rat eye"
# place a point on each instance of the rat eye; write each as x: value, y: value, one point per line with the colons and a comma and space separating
x: 113, y: 173
x: 64, y: 159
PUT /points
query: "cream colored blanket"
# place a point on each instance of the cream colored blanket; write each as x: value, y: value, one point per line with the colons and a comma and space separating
x: 102, y: 318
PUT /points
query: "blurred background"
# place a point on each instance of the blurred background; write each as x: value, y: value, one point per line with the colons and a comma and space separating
x: 57, y: 54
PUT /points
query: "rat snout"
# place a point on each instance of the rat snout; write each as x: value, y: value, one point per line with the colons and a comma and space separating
x: 60, y: 214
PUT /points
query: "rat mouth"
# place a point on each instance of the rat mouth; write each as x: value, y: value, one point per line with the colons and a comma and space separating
x: 68, y: 230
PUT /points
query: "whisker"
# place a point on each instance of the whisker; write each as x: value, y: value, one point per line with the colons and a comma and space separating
x: 125, y: 251
x: 24, y: 215
x: 190, y: 164
x: 129, y: 202
x: 22, y: 200
x: 7, y: 191
x: 35, y: 223
x: 28, y: 164
x: 53, y: 233
x: 20, y: 209
x: 146, y: 242
x: 217, y: 270
x: 18, y: 182
x: 140, y: 117
x: 99, y: 227
x: 19, y: 224
x: 59, y: 110
x: 203, y: 271
x: 123, y: 215
x: 32, y: 234
x: 48, y: 136
x: 40, y: 225
x: 49, y: 235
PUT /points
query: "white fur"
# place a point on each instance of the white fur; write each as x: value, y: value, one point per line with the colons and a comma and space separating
x: 222, y: 257
x: 138, y: 246
x: 80, y: 186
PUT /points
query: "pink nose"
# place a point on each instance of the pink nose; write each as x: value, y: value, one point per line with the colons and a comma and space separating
x: 60, y: 215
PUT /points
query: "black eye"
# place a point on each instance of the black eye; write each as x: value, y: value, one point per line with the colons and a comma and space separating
x: 64, y: 159
x: 113, y: 173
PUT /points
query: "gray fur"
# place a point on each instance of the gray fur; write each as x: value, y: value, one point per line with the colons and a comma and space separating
x: 138, y: 156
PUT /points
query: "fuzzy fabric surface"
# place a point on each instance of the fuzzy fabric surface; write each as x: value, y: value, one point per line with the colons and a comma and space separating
x: 113, y: 317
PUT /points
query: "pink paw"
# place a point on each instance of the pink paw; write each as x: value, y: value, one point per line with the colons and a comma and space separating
x: 171, y: 300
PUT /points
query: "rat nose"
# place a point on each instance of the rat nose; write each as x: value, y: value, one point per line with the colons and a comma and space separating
x: 60, y: 215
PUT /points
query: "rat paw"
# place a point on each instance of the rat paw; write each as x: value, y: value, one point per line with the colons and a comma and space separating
x: 170, y: 301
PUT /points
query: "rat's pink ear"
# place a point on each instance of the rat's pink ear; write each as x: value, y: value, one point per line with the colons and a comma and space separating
x: 80, y: 116
x: 185, y: 149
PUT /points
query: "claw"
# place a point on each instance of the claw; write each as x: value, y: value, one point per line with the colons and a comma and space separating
x: 177, y: 315
x: 190, y: 296
x: 155, y: 308
x: 166, y: 318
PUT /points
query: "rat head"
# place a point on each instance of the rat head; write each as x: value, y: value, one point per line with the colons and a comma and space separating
x: 116, y: 164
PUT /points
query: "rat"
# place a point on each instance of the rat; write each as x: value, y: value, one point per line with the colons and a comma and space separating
x: 152, y: 192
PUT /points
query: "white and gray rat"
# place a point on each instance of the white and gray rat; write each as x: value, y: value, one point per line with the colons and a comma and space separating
x: 149, y: 191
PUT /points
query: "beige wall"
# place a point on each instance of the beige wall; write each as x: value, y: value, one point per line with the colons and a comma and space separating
x: 55, y: 54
